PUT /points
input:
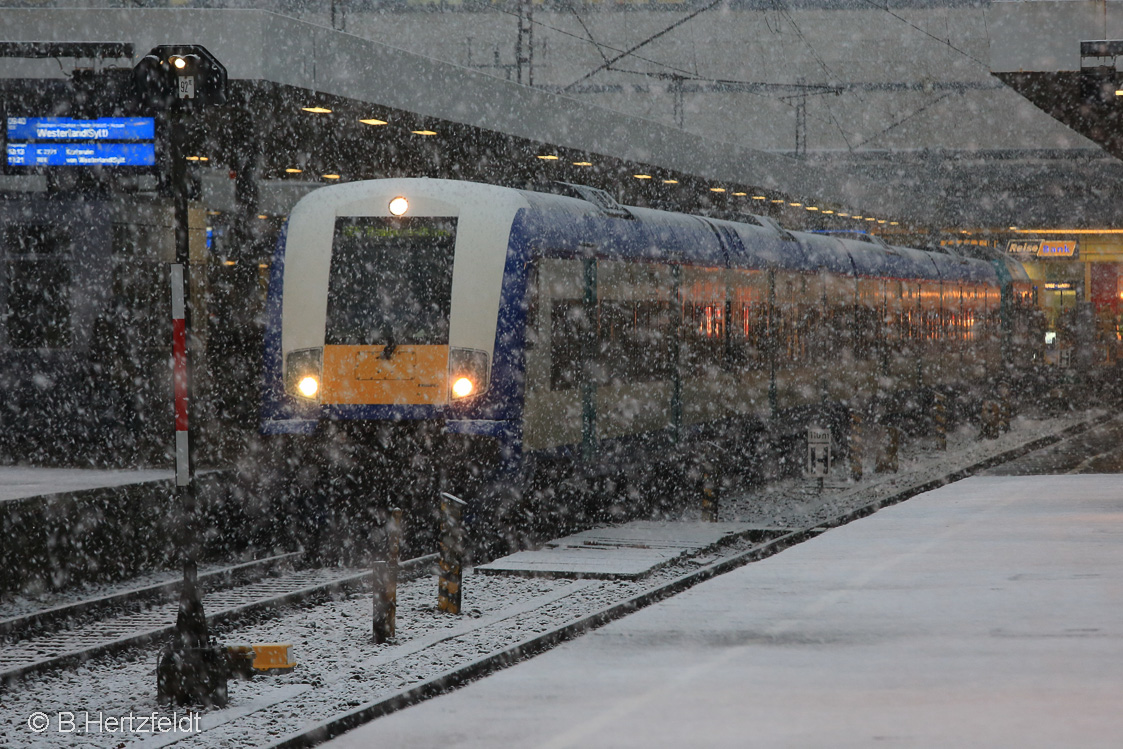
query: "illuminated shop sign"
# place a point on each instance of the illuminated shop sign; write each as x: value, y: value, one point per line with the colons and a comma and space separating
x: 62, y: 141
x: 1059, y: 286
x: 1023, y: 247
x: 1057, y: 248
x: 1030, y: 248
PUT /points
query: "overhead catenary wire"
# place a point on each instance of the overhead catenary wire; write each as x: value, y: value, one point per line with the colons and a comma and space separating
x: 930, y: 35
x: 826, y: 69
x: 765, y: 89
x: 608, y: 63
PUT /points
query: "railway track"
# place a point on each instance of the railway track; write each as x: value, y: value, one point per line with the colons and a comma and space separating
x: 68, y: 647
x: 67, y: 615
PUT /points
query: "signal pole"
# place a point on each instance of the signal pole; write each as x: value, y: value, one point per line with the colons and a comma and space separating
x: 177, y: 80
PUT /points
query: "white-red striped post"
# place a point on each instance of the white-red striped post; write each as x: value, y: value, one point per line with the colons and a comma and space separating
x: 179, y: 375
x: 191, y: 624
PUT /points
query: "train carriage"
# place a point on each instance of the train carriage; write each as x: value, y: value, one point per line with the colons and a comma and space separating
x: 529, y: 329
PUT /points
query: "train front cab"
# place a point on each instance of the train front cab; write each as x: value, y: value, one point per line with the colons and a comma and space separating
x: 382, y: 336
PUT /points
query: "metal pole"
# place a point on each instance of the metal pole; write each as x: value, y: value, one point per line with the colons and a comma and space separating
x: 191, y: 623
x: 589, y: 359
x: 451, y: 554
x: 940, y: 417
x: 855, y: 438
x: 385, y: 575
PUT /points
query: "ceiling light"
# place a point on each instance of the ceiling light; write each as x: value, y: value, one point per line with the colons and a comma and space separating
x: 197, y: 158
x: 778, y: 200
x: 229, y: 262
x: 330, y: 176
x: 881, y: 221
x: 293, y: 170
x: 582, y: 163
x: 812, y: 208
x: 844, y: 215
x: 1119, y: 92
x: 856, y: 218
x: 317, y: 110
x: 262, y: 215
x: 894, y: 223
x: 717, y: 189
x: 424, y: 132
x: 642, y: 176
x: 759, y: 197
x: 828, y: 211
x: 870, y: 218
x: 740, y: 194
x: 670, y: 182
x: 373, y: 121
x: 797, y: 205
x: 548, y: 157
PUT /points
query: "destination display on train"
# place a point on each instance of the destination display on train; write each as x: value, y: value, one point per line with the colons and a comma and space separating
x: 62, y: 141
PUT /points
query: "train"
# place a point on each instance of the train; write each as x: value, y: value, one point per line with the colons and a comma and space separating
x: 543, y: 354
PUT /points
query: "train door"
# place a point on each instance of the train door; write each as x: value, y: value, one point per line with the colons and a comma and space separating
x: 847, y: 373
x: 748, y: 352
x: 555, y: 334
x: 634, y: 352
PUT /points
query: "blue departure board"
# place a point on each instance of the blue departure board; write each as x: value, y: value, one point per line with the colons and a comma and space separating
x: 81, y: 154
x: 63, y: 141
x: 61, y: 128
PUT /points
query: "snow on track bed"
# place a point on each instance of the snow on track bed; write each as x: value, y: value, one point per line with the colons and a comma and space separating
x: 342, y: 673
x: 136, y: 591
x: 62, y: 648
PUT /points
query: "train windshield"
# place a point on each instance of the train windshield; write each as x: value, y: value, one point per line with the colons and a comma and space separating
x: 390, y: 282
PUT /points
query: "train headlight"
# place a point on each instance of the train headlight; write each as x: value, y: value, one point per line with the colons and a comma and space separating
x: 302, y: 373
x: 462, y: 388
x: 398, y: 206
x: 467, y: 372
x: 308, y: 386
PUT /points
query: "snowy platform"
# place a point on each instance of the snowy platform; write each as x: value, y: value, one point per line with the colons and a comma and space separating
x: 21, y: 482
x: 986, y: 613
x: 628, y: 551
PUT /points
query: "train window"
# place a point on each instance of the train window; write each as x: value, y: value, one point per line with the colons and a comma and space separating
x: 749, y: 342
x: 633, y: 342
x: 390, y: 281
x: 38, y: 286
x: 567, y: 329
x: 634, y: 338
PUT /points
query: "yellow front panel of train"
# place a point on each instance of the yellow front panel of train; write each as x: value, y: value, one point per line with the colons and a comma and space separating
x: 410, y: 376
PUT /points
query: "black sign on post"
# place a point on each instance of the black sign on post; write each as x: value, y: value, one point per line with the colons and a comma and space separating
x: 180, y: 76
x: 178, y: 79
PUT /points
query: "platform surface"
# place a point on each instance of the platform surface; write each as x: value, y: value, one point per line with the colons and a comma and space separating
x: 20, y: 482
x: 626, y: 551
x: 988, y: 613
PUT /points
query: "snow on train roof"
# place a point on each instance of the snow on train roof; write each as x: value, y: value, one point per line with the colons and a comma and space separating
x: 567, y: 221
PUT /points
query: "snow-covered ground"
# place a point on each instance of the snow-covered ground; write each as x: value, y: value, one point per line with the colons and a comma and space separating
x: 18, y: 482
x: 340, y: 668
x: 986, y: 613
